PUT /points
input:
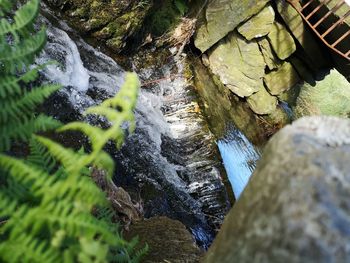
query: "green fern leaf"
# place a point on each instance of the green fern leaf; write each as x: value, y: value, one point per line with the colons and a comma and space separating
x: 23, y: 18
x: 27, y: 103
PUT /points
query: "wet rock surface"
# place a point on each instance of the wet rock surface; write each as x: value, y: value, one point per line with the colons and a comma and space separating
x: 170, y: 163
x: 168, y: 241
x: 296, y: 206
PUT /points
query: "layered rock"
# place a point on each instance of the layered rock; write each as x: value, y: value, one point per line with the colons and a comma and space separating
x: 239, y: 64
x: 281, y: 41
x: 223, y: 16
x: 241, y: 58
x: 259, y: 25
x: 296, y: 206
x: 254, y: 52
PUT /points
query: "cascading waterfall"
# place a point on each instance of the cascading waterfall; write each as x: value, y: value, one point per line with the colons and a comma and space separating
x: 171, y: 159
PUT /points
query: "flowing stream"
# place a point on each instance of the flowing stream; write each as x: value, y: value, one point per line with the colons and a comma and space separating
x: 172, y: 162
x: 239, y: 156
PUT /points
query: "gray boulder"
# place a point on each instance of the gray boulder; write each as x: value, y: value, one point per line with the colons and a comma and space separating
x: 271, y: 59
x: 168, y: 240
x: 262, y: 102
x: 296, y: 207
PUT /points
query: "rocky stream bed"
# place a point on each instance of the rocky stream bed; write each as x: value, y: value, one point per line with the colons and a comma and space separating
x: 203, y: 116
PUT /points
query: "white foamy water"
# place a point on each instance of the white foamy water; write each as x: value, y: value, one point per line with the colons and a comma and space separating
x: 73, y: 73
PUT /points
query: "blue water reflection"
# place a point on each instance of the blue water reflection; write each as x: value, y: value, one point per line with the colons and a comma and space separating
x: 239, y: 157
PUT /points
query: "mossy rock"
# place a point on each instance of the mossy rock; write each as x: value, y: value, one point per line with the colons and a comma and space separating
x: 113, y: 22
x: 329, y: 96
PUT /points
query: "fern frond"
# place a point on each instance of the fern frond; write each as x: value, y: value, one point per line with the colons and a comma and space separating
x: 26, y: 248
x: 47, y: 199
x: 10, y: 85
x: 23, y: 18
x: 96, y: 135
x: 7, y: 204
x: 27, y: 103
x: 16, y: 58
x: 5, y: 6
x: 21, y: 171
x: 40, y: 157
x: 22, y: 131
x: 105, y: 162
x: 70, y: 160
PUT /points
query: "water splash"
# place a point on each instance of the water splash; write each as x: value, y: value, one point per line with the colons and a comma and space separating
x: 171, y: 157
x: 70, y: 71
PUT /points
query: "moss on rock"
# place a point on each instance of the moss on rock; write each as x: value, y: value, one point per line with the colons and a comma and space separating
x: 111, y: 21
x: 329, y: 96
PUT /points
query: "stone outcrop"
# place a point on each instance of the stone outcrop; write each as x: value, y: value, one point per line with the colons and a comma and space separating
x: 168, y: 240
x: 239, y: 64
x: 259, y: 25
x: 328, y: 96
x: 296, y: 205
x: 281, y: 80
x: 252, y: 45
x: 262, y: 102
x: 111, y: 22
x: 247, y: 42
x: 223, y: 16
x: 281, y: 41
x: 271, y: 60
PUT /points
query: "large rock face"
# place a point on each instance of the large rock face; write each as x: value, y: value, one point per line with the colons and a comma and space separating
x: 171, y: 160
x: 239, y: 64
x: 222, y: 16
x: 296, y: 207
